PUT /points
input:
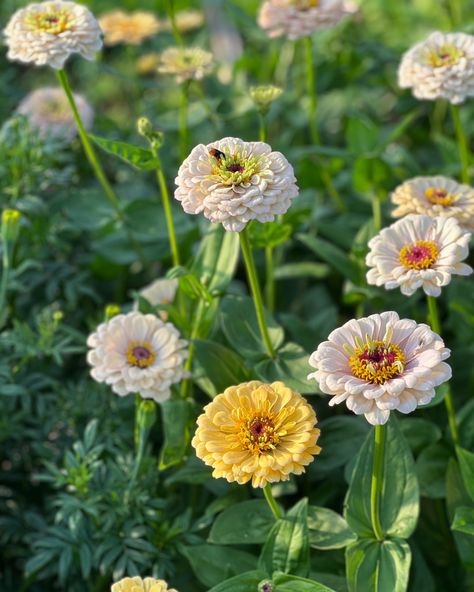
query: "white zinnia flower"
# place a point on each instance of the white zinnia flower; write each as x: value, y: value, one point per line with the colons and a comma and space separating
x: 162, y: 291
x: 418, y: 251
x: 381, y: 363
x: 441, y: 67
x: 435, y: 196
x: 137, y: 353
x: 186, y: 63
x: 48, y: 110
x: 48, y: 33
x: 233, y: 182
x: 301, y: 18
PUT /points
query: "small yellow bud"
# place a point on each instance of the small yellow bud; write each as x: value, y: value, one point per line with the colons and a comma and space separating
x: 144, y: 127
x: 10, y: 224
x: 111, y: 310
x: 264, y: 95
x: 58, y: 316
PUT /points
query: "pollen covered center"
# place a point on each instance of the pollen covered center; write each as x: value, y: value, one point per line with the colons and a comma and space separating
x: 446, y: 55
x: 51, y: 21
x: 233, y: 169
x: 377, y: 361
x: 258, y: 434
x: 140, y: 354
x: 419, y: 255
x: 440, y: 196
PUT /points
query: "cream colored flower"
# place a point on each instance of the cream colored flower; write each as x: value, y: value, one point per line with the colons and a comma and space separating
x: 186, y: 63
x: 131, y: 28
x: 435, y: 196
x: 162, y: 291
x: 441, y: 67
x: 264, y: 95
x: 418, y: 251
x: 381, y: 363
x: 232, y: 182
x: 301, y: 18
x: 186, y: 20
x: 137, y: 353
x: 48, y: 110
x: 259, y: 432
x: 148, y: 63
x: 138, y: 585
x: 48, y: 33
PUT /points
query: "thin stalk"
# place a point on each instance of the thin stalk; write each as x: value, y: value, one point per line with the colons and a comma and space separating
x: 198, y: 315
x: 311, y: 90
x: 269, y: 280
x: 183, y: 122
x: 376, y: 212
x: 255, y: 288
x: 165, y: 197
x: 262, y: 127
x: 145, y: 415
x: 172, y: 16
x: 267, y: 491
x: 463, y: 145
x: 455, y: 13
x: 433, y: 318
x: 377, y: 481
x: 6, y: 264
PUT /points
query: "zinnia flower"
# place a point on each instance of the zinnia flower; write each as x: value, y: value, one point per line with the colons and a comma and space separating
x: 161, y: 291
x: 418, y: 251
x: 441, y: 67
x: 301, y: 18
x: 138, y: 585
x: 186, y: 63
x: 259, y: 432
x: 48, y: 110
x: 185, y: 20
x: 381, y: 363
x: 263, y: 96
x: 233, y: 182
x: 47, y: 33
x: 131, y: 28
x: 137, y: 353
x: 435, y: 196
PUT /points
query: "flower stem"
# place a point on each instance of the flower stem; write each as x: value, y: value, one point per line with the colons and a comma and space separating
x: 462, y: 144
x: 183, y: 122
x: 165, y: 197
x: 433, y: 317
x: 269, y: 280
x: 377, y: 481
x: 311, y: 90
x: 267, y: 491
x: 172, y: 16
x: 255, y: 288
x: 145, y: 416
x: 262, y: 127
x: 197, y: 320
x: 6, y: 264
x: 376, y: 212
x: 455, y: 14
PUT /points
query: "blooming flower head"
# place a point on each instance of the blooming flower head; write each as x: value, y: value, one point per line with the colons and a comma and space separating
x: 418, y: 251
x: 441, y: 67
x: 130, y: 28
x: 381, y: 363
x: 435, y: 196
x: 48, y: 110
x: 186, y: 63
x: 185, y: 20
x: 137, y: 353
x: 161, y: 291
x: 301, y: 18
x: 259, y: 432
x: 233, y: 182
x: 264, y: 95
x: 47, y: 33
x: 141, y: 585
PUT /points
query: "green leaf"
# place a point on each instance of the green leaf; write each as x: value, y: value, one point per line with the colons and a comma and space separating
x: 287, y: 583
x: 302, y: 270
x: 175, y: 414
x: 431, y: 466
x: 290, y: 366
x: 464, y: 520
x: 217, y: 367
x: 246, y: 582
x: 362, y: 136
x: 399, y: 500
x: 332, y: 255
x: 270, y: 234
x: 240, y: 326
x: 369, y: 173
x: 287, y: 546
x: 456, y: 497
x: 138, y: 157
x: 213, y: 563
x: 328, y: 530
x: 466, y: 464
x: 372, y: 566
x: 246, y: 523
x: 419, y: 433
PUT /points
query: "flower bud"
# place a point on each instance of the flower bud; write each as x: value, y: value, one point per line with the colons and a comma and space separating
x: 111, y: 310
x: 265, y: 586
x: 10, y: 224
x: 144, y: 127
x: 264, y: 95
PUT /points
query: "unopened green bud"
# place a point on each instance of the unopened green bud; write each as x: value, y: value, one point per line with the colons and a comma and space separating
x: 144, y: 127
x: 264, y: 95
x: 111, y: 310
x: 10, y: 224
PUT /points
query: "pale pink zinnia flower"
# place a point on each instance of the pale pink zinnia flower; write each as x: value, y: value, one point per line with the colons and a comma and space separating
x: 381, y: 363
x: 440, y: 67
x: 301, y: 18
x: 232, y: 182
x: 418, y: 251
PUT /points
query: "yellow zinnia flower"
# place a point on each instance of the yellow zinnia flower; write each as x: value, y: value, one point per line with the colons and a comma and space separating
x: 257, y: 431
x: 138, y: 585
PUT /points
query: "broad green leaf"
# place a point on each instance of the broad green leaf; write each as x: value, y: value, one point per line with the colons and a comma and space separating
x: 269, y: 234
x: 290, y: 366
x: 175, y: 415
x: 328, y: 530
x: 240, y: 326
x: 287, y: 583
x: 246, y: 582
x: 399, y: 500
x: 246, y: 523
x: 419, y: 433
x: 466, y: 464
x: 213, y: 564
x: 431, y: 466
x: 362, y: 136
x: 372, y: 566
x: 369, y: 173
x: 194, y: 472
x: 287, y: 546
x: 332, y: 255
x: 458, y: 497
x: 464, y: 520
x: 138, y: 157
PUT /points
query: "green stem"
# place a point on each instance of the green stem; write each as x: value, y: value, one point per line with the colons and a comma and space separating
x: 269, y: 280
x: 255, y: 288
x: 6, y: 261
x: 311, y: 90
x: 267, y: 491
x: 197, y: 320
x: 376, y: 212
x: 262, y: 127
x: 183, y: 122
x: 172, y: 16
x: 455, y: 13
x: 463, y: 145
x: 377, y: 481
x: 165, y: 197
x: 433, y: 317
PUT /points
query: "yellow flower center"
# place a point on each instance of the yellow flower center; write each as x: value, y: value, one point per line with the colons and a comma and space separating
x: 446, y: 55
x: 440, y: 197
x: 306, y: 4
x: 140, y: 354
x: 419, y: 255
x: 233, y: 169
x: 50, y: 21
x: 376, y: 361
x: 258, y: 434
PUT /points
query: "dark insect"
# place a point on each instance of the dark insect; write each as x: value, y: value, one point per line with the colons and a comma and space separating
x: 217, y: 154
